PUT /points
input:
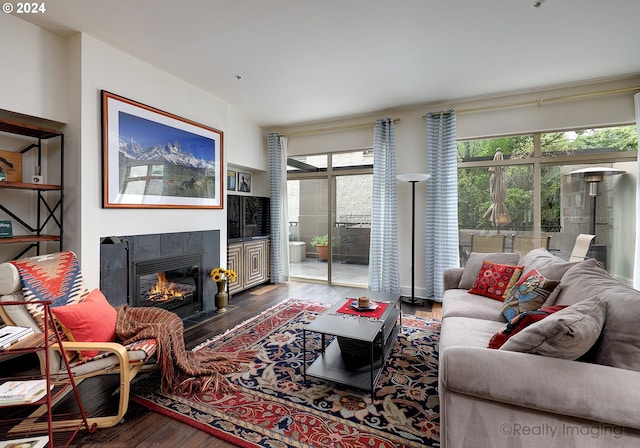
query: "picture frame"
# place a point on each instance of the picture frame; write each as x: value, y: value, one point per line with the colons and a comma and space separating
x: 155, y: 159
x: 244, y: 182
x: 231, y: 180
x: 11, y: 166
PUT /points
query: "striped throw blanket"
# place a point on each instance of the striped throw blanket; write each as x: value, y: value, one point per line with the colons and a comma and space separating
x: 182, y: 371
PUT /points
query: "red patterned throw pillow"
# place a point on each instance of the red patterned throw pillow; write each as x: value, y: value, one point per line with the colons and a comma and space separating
x: 519, y: 323
x: 494, y: 280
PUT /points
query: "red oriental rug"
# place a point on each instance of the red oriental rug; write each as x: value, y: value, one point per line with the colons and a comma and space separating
x: 272, y: 407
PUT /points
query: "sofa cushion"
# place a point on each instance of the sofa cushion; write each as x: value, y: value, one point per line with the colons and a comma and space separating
x: 494, y: 280
x: 451, y: 277
x: 467, y: 332
x: 460, y: 303
x: 567, y: 334
x: 519, y: 323
x: 474, y: 263
x: 547, y: 264
x: 619, y: 343
x: 529, y: 293
x: 92, y: 320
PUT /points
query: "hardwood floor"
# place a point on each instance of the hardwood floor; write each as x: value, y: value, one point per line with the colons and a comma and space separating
x: 144, y: 428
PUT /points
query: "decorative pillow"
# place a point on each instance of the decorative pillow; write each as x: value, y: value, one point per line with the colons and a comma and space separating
x: 546, y: 263
x: 618, y: 344
x: 567, y: 334
x: 529, y: 293
x: 494, y: 279
x: 474, y: 263
x: 92, y: 320
x: 519, y: 323
x: 54, y: 277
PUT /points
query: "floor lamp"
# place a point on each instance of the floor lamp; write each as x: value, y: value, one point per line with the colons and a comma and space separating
x: 413, y: 179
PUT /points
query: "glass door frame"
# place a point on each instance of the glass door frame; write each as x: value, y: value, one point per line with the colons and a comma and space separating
x: 330, y: 175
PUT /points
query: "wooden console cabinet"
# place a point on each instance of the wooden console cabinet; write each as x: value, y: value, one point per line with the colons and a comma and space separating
x: 251, y: 260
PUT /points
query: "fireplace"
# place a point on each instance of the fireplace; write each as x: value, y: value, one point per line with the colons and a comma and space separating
x: 172, y: 283
x: 139, y: 270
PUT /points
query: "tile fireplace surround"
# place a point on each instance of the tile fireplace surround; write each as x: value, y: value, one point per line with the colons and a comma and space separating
x: 117, y: 268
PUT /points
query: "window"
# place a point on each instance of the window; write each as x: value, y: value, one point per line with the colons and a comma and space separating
x: 542, y: 197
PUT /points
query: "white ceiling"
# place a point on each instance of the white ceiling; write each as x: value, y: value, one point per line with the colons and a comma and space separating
x: 312, y: 60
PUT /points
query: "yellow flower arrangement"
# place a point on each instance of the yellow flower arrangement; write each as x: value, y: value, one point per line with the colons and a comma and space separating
x: 221, y: 274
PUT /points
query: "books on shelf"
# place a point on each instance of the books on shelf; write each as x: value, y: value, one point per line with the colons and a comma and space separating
x: 29, y: 442
x: 16, y: 392
x: 11, y: 334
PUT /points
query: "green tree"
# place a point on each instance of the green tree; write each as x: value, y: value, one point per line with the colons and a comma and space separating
x: 473, y: 183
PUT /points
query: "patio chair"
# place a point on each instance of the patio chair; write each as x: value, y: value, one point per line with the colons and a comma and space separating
x: 112, y: 358
x: 523, y: 244
x: 581, y: 247
x: 488, y: 243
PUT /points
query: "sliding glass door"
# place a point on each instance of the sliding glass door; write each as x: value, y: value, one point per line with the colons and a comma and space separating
x: 330, y: 217
x: 352, y: 228
x: 308, y: 229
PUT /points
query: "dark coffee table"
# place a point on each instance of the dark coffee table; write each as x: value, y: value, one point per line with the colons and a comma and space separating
x: 357, y: 354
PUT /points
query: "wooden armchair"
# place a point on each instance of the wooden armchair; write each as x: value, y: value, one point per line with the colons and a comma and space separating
x: 113, y: 358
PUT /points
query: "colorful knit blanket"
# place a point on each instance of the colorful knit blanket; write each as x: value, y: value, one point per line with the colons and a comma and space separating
x: 182, y: 371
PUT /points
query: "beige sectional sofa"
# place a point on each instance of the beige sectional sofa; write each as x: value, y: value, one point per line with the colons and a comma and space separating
x: 541, y: 395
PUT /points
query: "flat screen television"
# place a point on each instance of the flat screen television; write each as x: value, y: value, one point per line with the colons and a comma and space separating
x: 248, y: 217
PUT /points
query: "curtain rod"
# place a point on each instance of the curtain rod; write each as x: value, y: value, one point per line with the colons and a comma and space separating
x: 334, y: 128
x: 541, y: 101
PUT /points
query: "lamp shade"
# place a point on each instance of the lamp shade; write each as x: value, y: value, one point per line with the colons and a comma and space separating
x: 413, y: 177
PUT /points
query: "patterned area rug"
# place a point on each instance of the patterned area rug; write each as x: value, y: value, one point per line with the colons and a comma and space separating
x: 272, y: 407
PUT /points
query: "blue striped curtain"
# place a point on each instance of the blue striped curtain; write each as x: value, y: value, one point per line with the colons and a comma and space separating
x: 277, y: 147
x: 441, y: 216
x: 384, y: 273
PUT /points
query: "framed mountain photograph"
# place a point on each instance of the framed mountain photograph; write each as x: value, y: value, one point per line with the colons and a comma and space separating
x: 154, y: 159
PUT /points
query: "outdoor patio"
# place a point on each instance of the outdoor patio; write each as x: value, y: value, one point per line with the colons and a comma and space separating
x: 342, y: 273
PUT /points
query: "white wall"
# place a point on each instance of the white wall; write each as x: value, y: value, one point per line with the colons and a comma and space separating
x: 584, y: 111
x: 104, y: 67
x: 248, y: 153
x: 33, y: 70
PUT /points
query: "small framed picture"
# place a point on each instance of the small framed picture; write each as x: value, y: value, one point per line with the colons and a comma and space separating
x: 231, y: 180
x: 244, y: 182
x: 11, y: 166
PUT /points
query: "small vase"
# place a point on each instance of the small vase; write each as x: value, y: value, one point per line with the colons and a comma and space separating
x: 222, y: 297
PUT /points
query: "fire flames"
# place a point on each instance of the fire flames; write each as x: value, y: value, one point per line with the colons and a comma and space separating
x: 164, y: 290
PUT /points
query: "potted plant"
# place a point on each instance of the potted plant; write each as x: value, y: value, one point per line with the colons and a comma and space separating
x: 321, y: 243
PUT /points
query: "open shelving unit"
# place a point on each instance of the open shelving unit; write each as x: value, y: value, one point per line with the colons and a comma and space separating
x: 49, y: 210
x: 24, y: 420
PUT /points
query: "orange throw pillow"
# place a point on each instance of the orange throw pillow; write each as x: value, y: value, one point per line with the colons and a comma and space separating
x: 92, y: 320
x: 494, y: 280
